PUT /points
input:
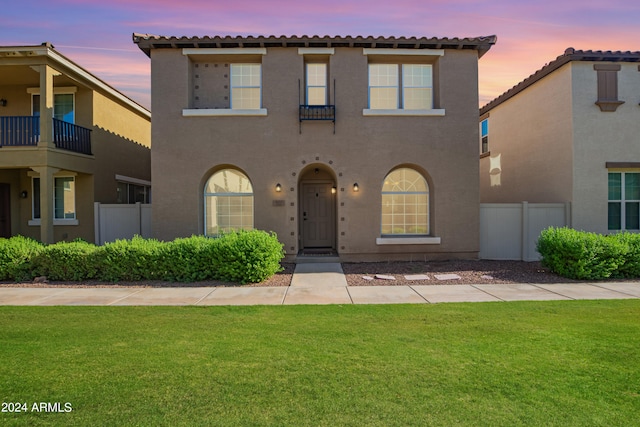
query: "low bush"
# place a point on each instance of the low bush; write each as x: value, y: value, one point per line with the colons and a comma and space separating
x: 66, y: 261
x: 247, y: 256
x: 131, y: 260
x: 15, y: 257
x: 587, y: 256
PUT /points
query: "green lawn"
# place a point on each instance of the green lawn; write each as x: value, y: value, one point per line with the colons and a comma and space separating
x: 495, y: 364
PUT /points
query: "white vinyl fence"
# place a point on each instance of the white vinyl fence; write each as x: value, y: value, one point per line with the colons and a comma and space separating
x: 509, y: 231
x: 114, y: 222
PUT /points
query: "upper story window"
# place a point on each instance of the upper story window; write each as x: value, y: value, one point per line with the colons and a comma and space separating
x: 246, y: 86
x: 484, y: 135
x: 225, y: 82
x: 402, y: 82
x: 316, y: 84
x: 63, y: 106
x: 608, y: 86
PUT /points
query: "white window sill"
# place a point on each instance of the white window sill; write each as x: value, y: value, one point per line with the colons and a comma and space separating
x: 36, y: 222
x: 227, y: 112
x: 400, y: 112
x: 408, y: 241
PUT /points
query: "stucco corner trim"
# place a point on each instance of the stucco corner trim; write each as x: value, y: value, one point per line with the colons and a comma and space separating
x: 408, y: 241
x: 226, y: 112
x: 399, y: 112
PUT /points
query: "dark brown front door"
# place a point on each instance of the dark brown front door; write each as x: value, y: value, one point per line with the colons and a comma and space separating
x: 318, y: 228
x: 5, y: 211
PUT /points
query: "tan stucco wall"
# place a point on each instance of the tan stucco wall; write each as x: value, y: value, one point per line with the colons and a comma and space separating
x: 554, y: 141
x: 271, y: 149
x: 120, y: 142
x: 530, y: 145
x: 601, y: 137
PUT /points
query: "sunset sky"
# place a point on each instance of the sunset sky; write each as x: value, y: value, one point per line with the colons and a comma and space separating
x: 97, y: 34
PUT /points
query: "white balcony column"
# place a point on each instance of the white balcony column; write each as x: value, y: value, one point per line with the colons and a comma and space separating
x: 46, y: 202
x: 46, y: 106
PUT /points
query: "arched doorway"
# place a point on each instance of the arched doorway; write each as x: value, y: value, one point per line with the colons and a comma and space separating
x: 317, y: 201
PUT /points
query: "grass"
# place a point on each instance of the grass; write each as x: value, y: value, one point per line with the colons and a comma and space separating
x: 568, y: 363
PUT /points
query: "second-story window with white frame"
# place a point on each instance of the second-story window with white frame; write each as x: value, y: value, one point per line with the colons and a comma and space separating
x: 401, y: 86
x: 246, y: 86
x: 316, y: 83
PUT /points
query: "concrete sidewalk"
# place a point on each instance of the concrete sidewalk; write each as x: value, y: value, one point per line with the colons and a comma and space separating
x: 321, y: 283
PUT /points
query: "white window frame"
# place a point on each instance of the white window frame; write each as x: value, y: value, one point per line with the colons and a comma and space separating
x: 233, y: 86
x: 212, y: 196
x: 56, y: 221
x: 429, y: 56
x: 324, y: 86
x: 622, y: 201
x: 213, y: 52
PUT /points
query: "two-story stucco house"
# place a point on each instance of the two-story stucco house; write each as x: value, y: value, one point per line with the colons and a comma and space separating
x: 365, y: 147
x: 67, y: 140
x: 570, y: 133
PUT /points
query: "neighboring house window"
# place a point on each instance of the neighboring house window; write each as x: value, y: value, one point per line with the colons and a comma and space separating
x: 228, y: 202
x: 608, y: 86
x: 405, y: 203
x: 401, y: 86
x: 64, y: 198
x: 624, y: 201
x: 484, y: 132
x: 133, y: 193
x: 246, y: 86
x: 316, y: 84
x: 63, y: 106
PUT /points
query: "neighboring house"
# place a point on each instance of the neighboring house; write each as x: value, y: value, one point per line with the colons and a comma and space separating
x: 570, y: 133
x: 67, y: 140
x: 361, y: 146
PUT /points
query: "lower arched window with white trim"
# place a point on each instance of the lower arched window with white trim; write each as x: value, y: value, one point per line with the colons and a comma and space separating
x: 405, y: 204
x: 228, y: 202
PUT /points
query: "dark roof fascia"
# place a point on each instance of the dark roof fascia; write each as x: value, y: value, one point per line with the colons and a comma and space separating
x: 146, y: 42
x: 569, y: 55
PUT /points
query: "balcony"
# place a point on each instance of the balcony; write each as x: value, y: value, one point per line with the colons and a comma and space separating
x: 24, y: 131
x: 318, y: 113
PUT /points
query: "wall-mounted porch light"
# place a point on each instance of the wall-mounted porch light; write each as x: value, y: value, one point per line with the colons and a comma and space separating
x: 356, y: 188
x: 3, y: 102
x: 278, y: 187
x: 24, y: 194
x: 334, y: 190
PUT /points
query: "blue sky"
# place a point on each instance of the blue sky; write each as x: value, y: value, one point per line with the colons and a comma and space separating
x: 97, y: 35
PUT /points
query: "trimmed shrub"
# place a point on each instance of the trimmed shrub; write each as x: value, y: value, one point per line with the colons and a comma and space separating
x: 581, y: 255
x: 15, y: 257
x: 131, y: 260
x: 190, y: 259
x: 631, y: 266
x: 247, y: 256
x: 67, y: 261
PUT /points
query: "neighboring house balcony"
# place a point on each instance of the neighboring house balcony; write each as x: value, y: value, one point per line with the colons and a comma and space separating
x: 23, y: 131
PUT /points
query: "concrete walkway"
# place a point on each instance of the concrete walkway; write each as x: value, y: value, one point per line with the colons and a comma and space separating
x: 317, y: 283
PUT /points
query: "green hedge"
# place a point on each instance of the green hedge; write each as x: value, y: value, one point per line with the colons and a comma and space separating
x: 589, y: 256
x: 243, y: 257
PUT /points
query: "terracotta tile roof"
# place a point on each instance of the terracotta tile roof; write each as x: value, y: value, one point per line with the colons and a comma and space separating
x: 569, y: 55
x: 146, y: 42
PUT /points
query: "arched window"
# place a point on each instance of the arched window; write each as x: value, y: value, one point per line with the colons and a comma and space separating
x: 405, y: 203
x: 228, y: 202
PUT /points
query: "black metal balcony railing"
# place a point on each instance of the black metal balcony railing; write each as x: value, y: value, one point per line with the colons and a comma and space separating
x: 22, y: 131
x: 318, y: 112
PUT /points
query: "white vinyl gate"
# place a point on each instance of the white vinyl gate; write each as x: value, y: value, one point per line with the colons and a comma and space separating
x: 120, y: 221
x: 509, y: 231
